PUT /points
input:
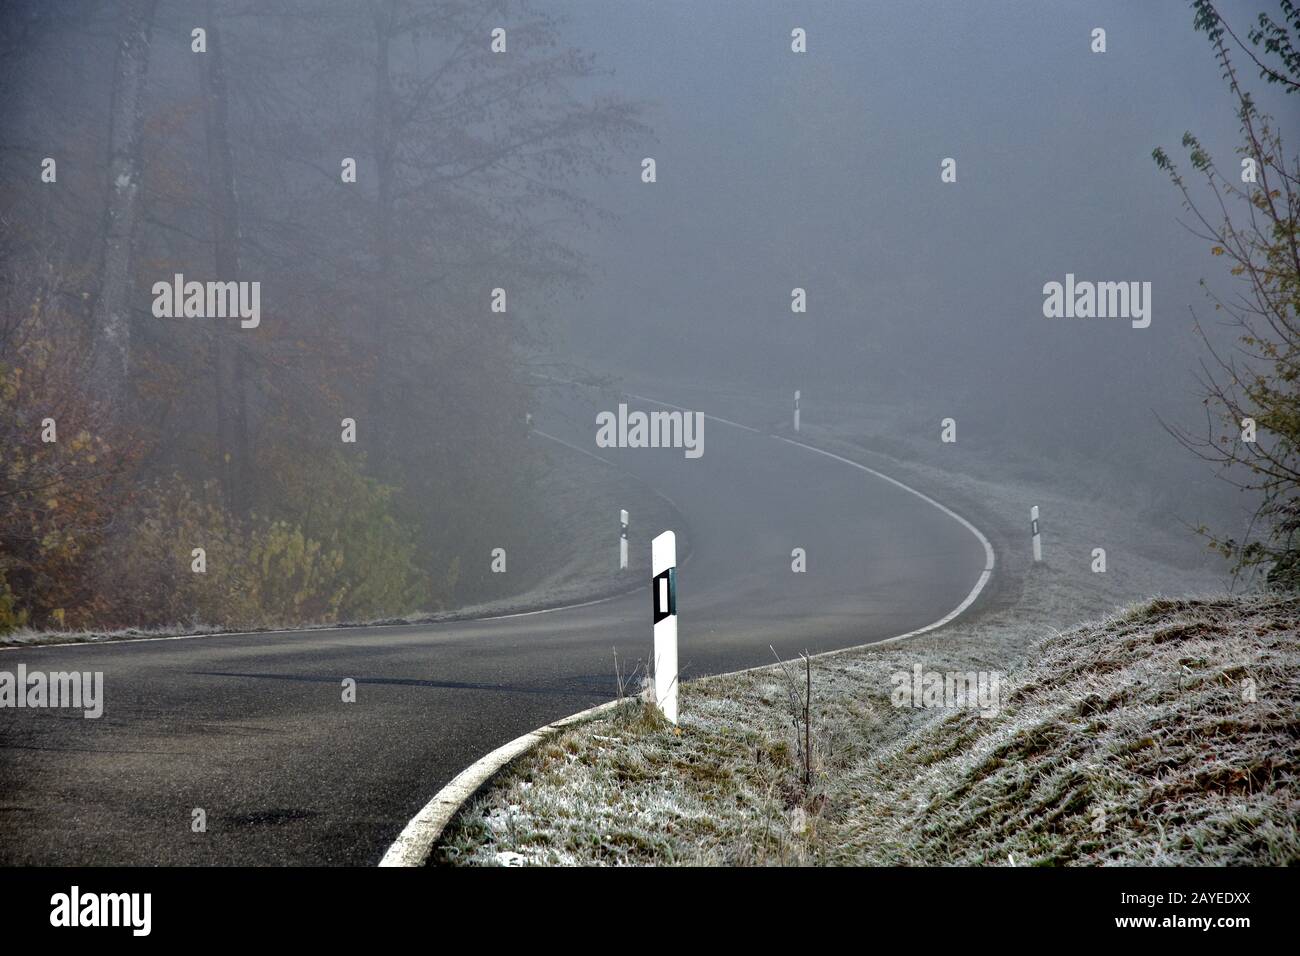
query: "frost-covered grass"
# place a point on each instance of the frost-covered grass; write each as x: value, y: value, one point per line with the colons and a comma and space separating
x: 1166, y: 735
x: 1134, y: 740
x: 1063, y: 774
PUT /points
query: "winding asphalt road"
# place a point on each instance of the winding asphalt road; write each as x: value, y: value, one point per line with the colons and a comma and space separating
x: 251, y: 728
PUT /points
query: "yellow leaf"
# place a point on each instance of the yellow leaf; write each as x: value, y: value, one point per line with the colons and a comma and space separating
x: 52, y: 503
x: 1217, y: 251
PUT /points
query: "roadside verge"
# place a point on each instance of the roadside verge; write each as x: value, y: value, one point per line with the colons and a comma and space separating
x: 616, y: 790
x: 415, y: 845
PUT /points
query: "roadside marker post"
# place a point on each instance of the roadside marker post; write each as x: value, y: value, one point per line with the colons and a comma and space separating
x: 663, y: 585
x: 796, y: 409
x: 1033, y: 530
x: 622, y: 540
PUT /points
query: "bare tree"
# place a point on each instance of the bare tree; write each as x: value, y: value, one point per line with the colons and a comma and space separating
x: 112, y: 330
x: 1252, y: 394
x: 229, y: 364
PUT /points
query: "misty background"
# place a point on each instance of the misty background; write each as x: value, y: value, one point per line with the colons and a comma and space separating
x: 822, y: 171
x: 522, y: 171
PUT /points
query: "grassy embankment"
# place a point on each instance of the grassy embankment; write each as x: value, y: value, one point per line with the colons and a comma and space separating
x: 1127, y: 740
x: 1167, y: 734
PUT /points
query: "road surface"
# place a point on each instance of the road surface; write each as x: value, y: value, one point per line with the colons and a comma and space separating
x: 252, y: 728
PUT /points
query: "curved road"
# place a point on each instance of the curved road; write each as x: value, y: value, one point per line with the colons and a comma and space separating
x: 251, y: 727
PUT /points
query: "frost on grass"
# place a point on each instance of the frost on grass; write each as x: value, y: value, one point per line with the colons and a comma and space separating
x: 1130, y: 741
x: 898, y: 785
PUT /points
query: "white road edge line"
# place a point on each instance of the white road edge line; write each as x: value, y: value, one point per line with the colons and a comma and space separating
x: 414, y: 844
x: 339, y: 629
x: 583, y: 451
x: 725, y: 421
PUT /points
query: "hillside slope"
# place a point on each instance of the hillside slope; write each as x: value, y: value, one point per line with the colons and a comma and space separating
x: 1169, y: 734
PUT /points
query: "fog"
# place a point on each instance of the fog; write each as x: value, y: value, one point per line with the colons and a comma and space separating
x: 823, y: 171
x: 775, y: 170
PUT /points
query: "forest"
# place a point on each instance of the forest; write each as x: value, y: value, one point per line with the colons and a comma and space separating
x: 396, y: 194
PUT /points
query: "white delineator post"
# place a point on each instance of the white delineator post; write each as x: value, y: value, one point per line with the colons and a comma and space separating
x: 622, y: 540
x: 796, y: 409
x: 663, y: 567
x: 1033, y: 530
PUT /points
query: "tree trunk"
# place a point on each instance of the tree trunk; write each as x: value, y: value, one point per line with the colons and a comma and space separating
x: 111, y: 317
x: 384, y: 136
x: 228, y: 353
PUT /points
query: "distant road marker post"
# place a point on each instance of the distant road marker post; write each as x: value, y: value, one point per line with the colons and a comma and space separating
x: 622, y: 540
x: 796, y: 409
x: 663, y: 583
x: 1033, y: 530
